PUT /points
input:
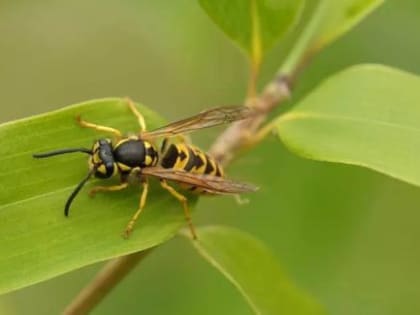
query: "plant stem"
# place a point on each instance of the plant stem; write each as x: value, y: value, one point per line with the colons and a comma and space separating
x: 113, y: 272
x: 238, y: 134
x: 252, y: 82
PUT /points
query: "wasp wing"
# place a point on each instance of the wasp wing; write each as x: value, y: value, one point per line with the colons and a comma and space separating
x: 210, y: 183
x: 205, y: 119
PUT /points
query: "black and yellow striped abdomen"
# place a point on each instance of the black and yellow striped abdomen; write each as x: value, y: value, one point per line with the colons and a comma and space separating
x: 189, y: 158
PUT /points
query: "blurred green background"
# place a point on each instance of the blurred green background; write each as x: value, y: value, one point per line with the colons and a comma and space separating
x: 347, y: 235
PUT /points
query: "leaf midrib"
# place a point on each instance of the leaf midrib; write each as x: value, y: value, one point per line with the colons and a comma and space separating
x: 294, y: 116
x: 35, y: 197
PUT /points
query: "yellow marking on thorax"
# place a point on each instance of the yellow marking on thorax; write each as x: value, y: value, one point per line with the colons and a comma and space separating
x: 121, y: 142
x: 148, y: 160
x: 123, y: 167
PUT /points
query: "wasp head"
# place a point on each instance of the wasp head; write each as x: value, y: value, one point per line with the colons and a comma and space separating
x: 102, y: 159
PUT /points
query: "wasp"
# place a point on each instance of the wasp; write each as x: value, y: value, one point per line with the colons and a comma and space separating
x: 182, y: 163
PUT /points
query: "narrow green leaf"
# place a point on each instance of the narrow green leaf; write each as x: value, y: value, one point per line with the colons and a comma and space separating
x: 341, y: 16
x: 37, y: 242
x: 367, y: 115
x: 256, y: 25
x: 251, y: 267
x: 330, y: 20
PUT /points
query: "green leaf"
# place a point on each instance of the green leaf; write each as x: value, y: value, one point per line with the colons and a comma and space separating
x: 37, y: 242
x: 330, y: 20
x: 251, y: 267
x: 367, y: 115
x: 256, y: 25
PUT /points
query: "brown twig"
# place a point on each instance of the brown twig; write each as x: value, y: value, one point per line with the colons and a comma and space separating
x: 113, y: 272
x: 238, y: 134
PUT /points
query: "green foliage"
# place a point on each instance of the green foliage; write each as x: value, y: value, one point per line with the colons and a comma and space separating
x: 364, y: 116
x: 330, y: 20
x: 254, y: 25
x: 251, y: 267
x: 367, y: 115
x: 37, y: 241
x: 338, y: 17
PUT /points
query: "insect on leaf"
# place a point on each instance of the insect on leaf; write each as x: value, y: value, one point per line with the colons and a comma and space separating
x: 37, y: 241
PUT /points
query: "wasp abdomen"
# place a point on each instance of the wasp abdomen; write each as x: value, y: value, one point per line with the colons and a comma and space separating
x: 190, y: 159
x: 171, y: 156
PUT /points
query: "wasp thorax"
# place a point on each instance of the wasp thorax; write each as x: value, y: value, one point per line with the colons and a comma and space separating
x: 133, y: 153
x: 102, y: 159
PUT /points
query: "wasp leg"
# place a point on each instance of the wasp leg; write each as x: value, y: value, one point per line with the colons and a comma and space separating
x: 96, y: 189
x: 136, y: 113
x: 260, y: 135
x: 142, y: 203
x: 86, y: 124
x: 184, y: 202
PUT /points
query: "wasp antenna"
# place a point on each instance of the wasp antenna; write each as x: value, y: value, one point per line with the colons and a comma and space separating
x: 61, y: 151
x: 76, y: 191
